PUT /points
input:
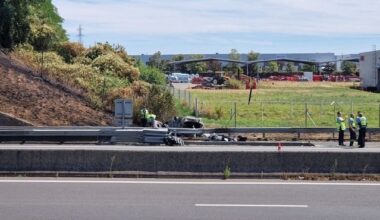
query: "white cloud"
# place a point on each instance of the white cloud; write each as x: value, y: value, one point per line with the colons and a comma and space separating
x: 167, y: 17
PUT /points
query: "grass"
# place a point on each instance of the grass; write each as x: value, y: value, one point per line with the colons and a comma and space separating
x: 283, y: 104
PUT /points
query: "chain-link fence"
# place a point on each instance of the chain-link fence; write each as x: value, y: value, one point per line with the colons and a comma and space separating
x: 274, y: 113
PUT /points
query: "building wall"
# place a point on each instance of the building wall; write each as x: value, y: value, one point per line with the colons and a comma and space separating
x: 368, y: 72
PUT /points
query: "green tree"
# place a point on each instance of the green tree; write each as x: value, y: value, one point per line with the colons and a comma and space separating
x: 234, y: 67
x: 14, y: 24
x: 290, y: 68
x: 42, y: 41
x: 152, y: 75
x: 307, y: 68
x: 348, y: 68
x: 155, y: 60
x: 197, y: 67
x: 44, y: 12
x: 179, y: 67
x: 271, y: 67
x: 252, y: 56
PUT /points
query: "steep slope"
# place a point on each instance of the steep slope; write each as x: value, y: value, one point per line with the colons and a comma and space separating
x: 28, y: 97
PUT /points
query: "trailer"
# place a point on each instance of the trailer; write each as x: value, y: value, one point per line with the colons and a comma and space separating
x: 369, y: 64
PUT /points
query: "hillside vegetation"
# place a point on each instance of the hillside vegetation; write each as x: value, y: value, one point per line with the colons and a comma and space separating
x: 31, y: 34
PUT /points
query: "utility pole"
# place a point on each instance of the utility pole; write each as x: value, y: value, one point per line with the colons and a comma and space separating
x: 80, y: 33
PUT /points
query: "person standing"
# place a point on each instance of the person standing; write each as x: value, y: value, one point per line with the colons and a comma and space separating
x: 144, y: 113
x: 362, y: 129
x: 352, y: 129
x: 341, y: 127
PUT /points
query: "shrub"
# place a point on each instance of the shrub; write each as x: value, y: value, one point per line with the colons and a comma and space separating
x: 152, y: 75
x: 70, y: 50
x: 234, y: 84
x: 113, y: 65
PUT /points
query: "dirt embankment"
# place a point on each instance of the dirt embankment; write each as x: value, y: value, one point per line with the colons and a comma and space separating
x: 32, y: 99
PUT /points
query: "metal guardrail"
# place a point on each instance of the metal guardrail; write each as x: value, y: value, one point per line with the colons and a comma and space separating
x: 264, y: 131
x: 138, y: 134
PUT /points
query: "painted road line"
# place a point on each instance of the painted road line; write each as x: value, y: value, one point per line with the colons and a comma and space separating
x: 251, y: 205
x: 185, y: 182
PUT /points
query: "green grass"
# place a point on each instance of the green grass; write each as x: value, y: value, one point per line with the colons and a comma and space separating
x: 282, y: 104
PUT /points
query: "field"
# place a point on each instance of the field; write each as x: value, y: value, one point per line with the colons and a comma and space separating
x: 281, y: 104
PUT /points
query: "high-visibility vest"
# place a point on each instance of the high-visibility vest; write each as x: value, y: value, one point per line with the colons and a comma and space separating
x: 144, y: 113
x: 363, y: 121
x: 151, y: 117
x: 340, y: 125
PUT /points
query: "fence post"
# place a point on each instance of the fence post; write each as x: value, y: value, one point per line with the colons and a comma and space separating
x: 262, y: 113
x: 235, y: 112
x: 352, y: 106
x: 179, y: 94
x: 305, y: 115
x: 196, y: 107
x: 189, y: 100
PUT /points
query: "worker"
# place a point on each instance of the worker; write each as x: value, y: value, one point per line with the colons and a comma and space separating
x: 341, y: 127
x: 352, y: 129
x: 362, y: 129
x: 144, y: 113
x: 152, y: 120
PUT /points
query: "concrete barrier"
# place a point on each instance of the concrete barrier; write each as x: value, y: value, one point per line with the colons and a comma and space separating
x: 197, y: 162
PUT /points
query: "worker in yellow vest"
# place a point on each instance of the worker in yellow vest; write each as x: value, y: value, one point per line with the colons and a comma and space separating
x: 341, y: 127
x: 144, y: 114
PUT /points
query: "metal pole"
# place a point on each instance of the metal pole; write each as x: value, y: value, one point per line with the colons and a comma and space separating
x: 235, y: 112
x: 262, y: 113
x: 189, y: 100
x: 179, y: 94
x: 196, y: 106
x: 352, y: 106
x: 305, y: 115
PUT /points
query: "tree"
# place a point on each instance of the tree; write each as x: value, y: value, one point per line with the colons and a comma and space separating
x: 252, y: 56
x: 155, y: 60
x: 271, y: 67
x: 307, y: 68
x: 214, y: 65
x: 234, y: 67
x: 348, y: 68
x: 14, y: 24
x: 290, y: 68
x: 42, y: 40
x: 197, y: 67
x: 180, y: 67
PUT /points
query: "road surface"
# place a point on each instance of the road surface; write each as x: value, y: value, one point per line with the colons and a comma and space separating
x: 186, y: 199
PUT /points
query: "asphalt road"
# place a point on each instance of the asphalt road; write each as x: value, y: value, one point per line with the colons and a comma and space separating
x: 192, y: 199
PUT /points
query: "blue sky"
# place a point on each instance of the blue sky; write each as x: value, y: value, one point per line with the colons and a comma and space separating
x: 217, y: 26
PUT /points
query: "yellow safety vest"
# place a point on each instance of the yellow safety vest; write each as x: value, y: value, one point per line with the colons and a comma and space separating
x: 340, y: 125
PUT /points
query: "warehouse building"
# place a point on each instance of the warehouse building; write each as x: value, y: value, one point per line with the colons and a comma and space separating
x: 369, y: 64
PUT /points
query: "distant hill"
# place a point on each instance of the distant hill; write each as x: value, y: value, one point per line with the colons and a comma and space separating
x: 28, y: 97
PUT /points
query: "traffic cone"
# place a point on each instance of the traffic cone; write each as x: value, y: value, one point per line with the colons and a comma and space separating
x: 279, y: 146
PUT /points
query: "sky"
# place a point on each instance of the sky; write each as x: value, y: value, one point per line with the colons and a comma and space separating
x: 217, y: 26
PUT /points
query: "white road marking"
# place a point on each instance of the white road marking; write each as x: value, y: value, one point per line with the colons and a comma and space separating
x: 185, y: 182
x: 251, y: 205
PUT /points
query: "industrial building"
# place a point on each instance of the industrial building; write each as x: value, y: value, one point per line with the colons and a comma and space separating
x: 369, y: 64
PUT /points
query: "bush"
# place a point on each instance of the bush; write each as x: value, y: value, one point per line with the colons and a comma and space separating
x: 234, y: 84
x: 152, y: 75
x: 209, y: 113
x: 70, y: 50
x: 113, y: 65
